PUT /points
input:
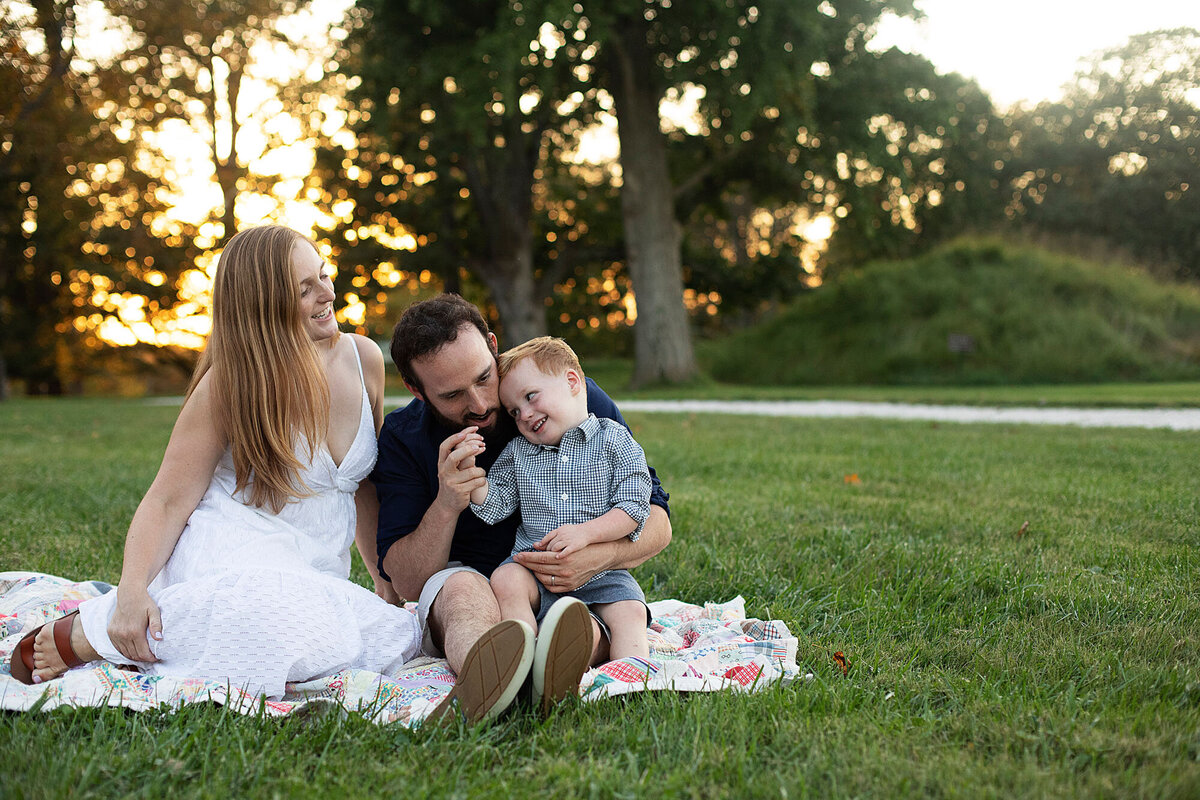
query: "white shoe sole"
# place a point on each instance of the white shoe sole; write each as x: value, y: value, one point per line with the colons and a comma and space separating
x: 562, y: 653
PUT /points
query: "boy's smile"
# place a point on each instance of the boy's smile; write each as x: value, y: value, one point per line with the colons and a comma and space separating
x: 544, y: 406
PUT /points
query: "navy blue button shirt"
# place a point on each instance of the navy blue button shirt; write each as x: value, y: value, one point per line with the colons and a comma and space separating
x: 405, y: 477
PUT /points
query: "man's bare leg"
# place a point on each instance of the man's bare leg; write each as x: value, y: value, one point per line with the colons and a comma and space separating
x: 464, y: 610
x: 490, y: 657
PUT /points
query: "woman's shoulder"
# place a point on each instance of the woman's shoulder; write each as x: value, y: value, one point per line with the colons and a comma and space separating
x: 368, y: 351
x: 203, y: 394
x: 371, y: 358
x: 202, y: 406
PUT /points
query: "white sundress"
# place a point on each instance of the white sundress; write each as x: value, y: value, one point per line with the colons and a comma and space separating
x: 258, y: 599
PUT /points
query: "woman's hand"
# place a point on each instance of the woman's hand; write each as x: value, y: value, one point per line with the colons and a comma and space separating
x: 135, y: 618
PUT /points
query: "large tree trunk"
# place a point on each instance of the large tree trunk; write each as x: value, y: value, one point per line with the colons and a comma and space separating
x: 227, y: 168
x: 662, y: 340
x: 502, y: 187
x: 522, y: 313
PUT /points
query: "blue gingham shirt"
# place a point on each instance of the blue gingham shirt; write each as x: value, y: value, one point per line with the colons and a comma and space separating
x: 595, y: 468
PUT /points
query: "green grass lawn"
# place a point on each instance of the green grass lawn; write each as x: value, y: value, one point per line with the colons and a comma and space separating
x: 1061, y: 661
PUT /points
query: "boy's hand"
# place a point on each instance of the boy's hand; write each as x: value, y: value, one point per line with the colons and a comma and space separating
x: 471, y: 444
x: 565, y: 541
x: 480, y: 493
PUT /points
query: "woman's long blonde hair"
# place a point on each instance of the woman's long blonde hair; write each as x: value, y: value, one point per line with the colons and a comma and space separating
x: 269, y: 386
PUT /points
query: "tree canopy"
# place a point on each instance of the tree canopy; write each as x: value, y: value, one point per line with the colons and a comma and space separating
x: 93, y: 253
x: 75, y: 205
x: 459, y: 110
x: 1119, y: 157
x: 761, y: 147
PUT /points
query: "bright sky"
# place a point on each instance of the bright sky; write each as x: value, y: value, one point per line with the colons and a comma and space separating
x: 1027, y: 49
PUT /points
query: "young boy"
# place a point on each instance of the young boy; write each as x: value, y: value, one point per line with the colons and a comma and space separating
x: 577, y: 480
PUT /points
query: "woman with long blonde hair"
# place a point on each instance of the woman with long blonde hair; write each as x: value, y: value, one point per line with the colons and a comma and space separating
x: 237, y: 560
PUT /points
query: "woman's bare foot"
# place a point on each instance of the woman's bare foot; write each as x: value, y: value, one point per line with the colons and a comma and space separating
x: 48, y: 663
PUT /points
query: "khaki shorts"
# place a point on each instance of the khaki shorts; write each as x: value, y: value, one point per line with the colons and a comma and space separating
x: 429, y: 593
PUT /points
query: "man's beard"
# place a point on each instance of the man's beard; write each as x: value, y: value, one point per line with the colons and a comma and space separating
x: 494, y: 431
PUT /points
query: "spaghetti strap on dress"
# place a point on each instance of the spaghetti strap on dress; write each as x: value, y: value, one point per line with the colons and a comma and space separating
x: 260, y: 599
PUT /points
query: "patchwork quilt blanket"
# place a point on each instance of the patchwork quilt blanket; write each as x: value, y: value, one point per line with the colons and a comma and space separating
x: 708, y: 648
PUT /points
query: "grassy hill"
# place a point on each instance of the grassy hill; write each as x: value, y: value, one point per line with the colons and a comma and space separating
x: 1013, y: 315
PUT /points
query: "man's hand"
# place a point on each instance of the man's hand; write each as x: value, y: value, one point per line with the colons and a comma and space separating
x: 564, y: 573
x: 572, y: 571
x: 457, y: 474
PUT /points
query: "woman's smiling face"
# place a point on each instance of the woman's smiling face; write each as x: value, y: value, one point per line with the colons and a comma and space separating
x: 315, y: 290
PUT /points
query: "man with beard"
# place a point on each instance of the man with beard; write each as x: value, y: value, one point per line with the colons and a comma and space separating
x: 432, y: 547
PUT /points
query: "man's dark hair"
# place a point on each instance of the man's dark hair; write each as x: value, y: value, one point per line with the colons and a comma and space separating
x: 428, y: 326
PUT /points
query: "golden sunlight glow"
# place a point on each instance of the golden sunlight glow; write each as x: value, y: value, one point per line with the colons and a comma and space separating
x: 274, y: 145
x: 355, y: 310
x: 386, y: 274
x: 598, y: 144
x: 387, y: 237
x: 681, y: 110
x: 630, y: 304
x: 271, y: 142
x: 1127, y: 163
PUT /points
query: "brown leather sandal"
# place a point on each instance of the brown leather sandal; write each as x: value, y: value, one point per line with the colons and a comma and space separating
x: 21, y: 665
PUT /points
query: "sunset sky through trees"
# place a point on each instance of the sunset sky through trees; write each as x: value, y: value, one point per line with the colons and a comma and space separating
x: 288, y: 101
